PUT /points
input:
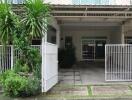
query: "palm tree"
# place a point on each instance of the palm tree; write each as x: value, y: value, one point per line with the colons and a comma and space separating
x: 21, y: 30
x: 36, y: 18
x: 8, y: 22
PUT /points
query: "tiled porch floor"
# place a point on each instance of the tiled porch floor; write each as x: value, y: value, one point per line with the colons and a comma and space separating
x: 83, y: 74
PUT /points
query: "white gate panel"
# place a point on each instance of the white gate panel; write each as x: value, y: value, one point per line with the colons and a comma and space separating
x: 50, y: 66
x: 118, y: 62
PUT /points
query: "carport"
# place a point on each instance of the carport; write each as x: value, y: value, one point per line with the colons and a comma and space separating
x: 89, y: 29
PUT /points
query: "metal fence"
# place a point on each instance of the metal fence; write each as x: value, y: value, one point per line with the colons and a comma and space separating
x: 118, y: 62
x: 9, y: 55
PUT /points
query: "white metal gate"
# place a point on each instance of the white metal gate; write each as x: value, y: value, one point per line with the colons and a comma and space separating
x: 49, y: 66
x: 118, y: 62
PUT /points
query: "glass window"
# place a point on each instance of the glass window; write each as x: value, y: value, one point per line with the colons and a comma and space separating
x: 93, y: 48
x: 51, y: 35
x: 15, y: 1
x: 128, y: 40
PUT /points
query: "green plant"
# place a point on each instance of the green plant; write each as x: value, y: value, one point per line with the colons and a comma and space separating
x: 8, y: 22
x: 33, y: 87
x: 12, y: 83
x: 20, y: 32
x: 20, y: 67
x: 16, y: 85
x: 36, y: 18
x: 36, y: 62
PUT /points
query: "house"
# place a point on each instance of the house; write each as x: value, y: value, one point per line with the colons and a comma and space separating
x: 94, y: 28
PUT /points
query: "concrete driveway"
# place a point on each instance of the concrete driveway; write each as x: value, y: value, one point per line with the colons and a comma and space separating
x: 83, y: 74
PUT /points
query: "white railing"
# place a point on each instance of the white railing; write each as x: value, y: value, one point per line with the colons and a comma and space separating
x: 90, y: 2
x: 9, y: 55
x: 118, y: 62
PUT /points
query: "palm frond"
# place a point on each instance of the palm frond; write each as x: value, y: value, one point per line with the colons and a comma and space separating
x: 7, y: 22
x: 36, y: 13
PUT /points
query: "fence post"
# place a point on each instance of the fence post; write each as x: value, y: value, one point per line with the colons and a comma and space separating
x: 12, y: 57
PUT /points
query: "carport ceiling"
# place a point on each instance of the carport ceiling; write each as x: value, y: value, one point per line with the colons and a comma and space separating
x: 90, y: 21
x: 77, y: 14
x: 91, y: 24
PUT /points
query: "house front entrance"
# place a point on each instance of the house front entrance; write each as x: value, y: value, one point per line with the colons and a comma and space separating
x: 93, y: 48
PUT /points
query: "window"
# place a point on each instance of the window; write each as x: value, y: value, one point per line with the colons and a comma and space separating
x: 18, y: 1
x: 128, y: 40
x: 15, y: 1
x: 36, y: 42
x: 93, y: 48
x: 51, y: 35
x: 53, y: 39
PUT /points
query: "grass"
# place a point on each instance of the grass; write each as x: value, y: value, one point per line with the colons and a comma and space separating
x: 89, y: 90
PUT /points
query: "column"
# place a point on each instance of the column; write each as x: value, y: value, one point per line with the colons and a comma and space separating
x: 122, y: 34
x: 58, y: 37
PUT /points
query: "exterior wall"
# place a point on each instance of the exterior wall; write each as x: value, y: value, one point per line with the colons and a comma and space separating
x: 128, y: 29
x: 78, y: 32
x: 54, y: 24
x: 116, y: 38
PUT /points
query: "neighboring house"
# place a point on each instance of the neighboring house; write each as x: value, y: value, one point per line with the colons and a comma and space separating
x: 88, y: 25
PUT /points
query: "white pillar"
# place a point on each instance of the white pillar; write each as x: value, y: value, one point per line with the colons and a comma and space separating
x: 43, y: 54
x: 58, y: 37
x: 122, y: 34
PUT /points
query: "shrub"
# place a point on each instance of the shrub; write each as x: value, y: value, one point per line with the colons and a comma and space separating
x: 35, y: 63
x: 30, y: 62
x: 19, y: 67
x: 19, y: 86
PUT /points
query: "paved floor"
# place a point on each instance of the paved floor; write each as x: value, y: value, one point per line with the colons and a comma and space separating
x: 83, y: 74
x: 83, y: 92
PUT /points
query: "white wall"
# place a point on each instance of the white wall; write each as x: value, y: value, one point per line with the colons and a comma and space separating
x: 117, y: 37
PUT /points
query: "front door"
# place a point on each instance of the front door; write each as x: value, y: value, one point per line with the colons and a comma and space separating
x: 100, y: 49
x: 88, y: 50
x: 93, y: 49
